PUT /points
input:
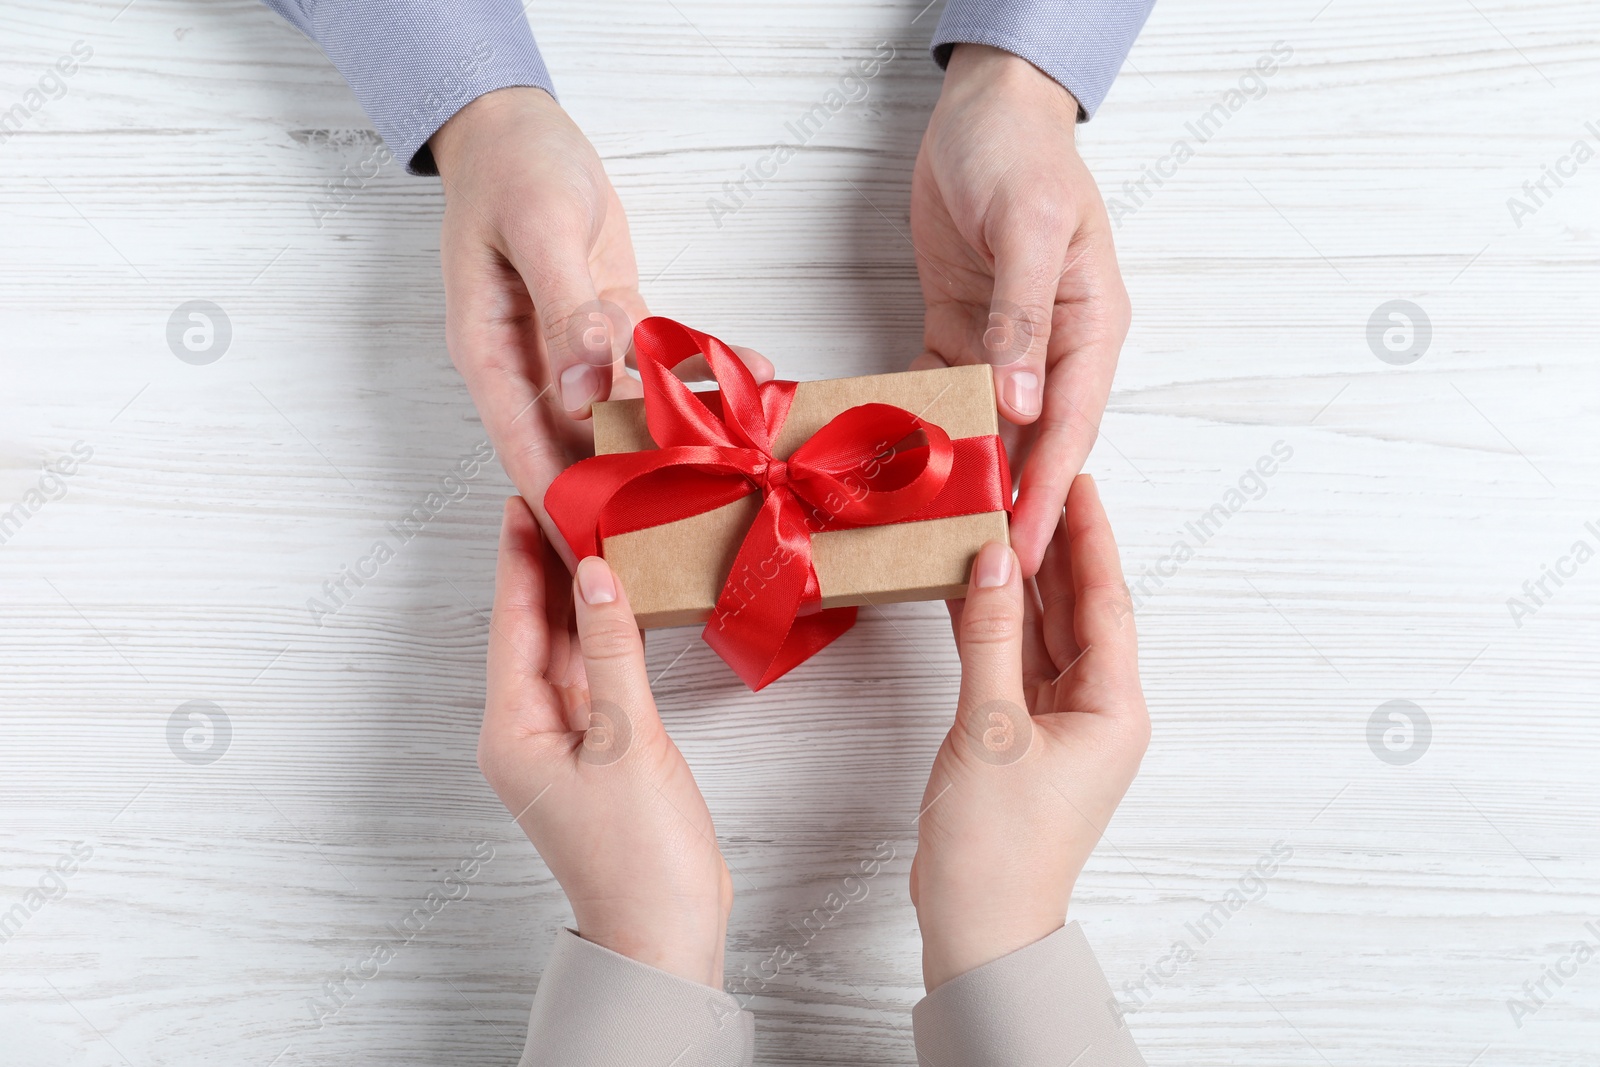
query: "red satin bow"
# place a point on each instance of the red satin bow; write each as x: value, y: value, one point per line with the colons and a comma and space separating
x: 872, y: 465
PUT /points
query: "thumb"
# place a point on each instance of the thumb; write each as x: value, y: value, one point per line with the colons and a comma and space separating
x: 620, y: 704
x: 583, y: 335
x: 991, y: 719
x: 1017, y: 334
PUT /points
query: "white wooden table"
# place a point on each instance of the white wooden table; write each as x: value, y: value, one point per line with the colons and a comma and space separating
x: 1433, y: 871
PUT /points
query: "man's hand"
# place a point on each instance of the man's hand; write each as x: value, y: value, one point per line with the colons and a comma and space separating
x: 1049, y: 730
x: 541, y: 288
x: 1015, y: 256
x: 572, y: 744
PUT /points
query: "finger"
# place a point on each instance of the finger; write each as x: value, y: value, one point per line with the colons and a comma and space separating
x: 583, y: 337
x: 519, y: 636
x: 487, y: 315
x: 991, y: 627
x: 626, y: 387
x: 761, y: 368
x: 1029, y: 253
x: 563, y: 666
x: 1055, y: 593
x: 1074, y: 399
x: 1037, y: 666
x: 1084, y: 351
x: 1102, y: 611
x: 613, y: 652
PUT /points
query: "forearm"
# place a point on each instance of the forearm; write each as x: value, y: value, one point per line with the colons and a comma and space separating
x: 414, y: 63
x: 1079, y: 43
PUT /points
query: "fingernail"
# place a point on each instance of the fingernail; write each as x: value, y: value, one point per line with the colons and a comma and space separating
x: 993, y: 568
x: 1023, y: 393
x: 595, y: 583
x: 580, y: 384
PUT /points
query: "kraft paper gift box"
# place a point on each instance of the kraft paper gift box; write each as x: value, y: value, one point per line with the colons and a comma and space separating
x: 675, y: 572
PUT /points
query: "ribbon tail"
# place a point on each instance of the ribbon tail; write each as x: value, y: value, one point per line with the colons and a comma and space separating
x: 805, y: 639
x: 759, y: 663
x: 756, y: 626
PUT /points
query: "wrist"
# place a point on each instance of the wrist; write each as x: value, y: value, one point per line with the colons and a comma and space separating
x: 684, y: 940
x: 480, y: 118
x: 950, y: 950
x: 980, y: 69
x: 699, y: 963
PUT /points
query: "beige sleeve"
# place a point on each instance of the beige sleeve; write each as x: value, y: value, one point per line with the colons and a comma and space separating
x: 595, y: 1008
x: 1045, y: 1005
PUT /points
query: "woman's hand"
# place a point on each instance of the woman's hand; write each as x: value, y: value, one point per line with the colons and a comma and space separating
x: 572, y: 744
x: 1018, y: 270
x: 1049, y: 731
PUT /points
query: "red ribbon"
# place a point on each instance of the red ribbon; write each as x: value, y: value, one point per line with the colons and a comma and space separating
x: 872, y: 465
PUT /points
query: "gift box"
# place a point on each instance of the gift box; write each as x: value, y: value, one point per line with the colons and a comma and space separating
x: 772, y: 512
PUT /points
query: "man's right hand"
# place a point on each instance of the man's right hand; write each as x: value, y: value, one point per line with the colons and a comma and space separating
x: 541, y: 286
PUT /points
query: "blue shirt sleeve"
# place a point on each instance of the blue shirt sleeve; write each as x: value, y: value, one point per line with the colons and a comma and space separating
x: 415, y: 63
x: 1079, y: 43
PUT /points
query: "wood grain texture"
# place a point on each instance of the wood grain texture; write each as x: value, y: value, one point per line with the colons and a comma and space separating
x: 183, y: 162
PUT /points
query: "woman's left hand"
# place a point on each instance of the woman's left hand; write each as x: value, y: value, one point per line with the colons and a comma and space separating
x: 573, y: 745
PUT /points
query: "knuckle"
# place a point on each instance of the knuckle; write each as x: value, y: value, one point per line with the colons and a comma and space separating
x: 537, y: 452
x: 1053, y: 601
x: 554, y: 233
x: 1108, y: 596
x: 559, y: 316
x: 487, y: 365
x: 610, y: 638
x: 496, y: 364
x: 989, y: 626
x: 1066, y: 420
x: 1045, y: 208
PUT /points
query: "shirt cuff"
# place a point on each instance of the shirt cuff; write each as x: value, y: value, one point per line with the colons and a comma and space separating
x: 415, y: 63
x: 1044, y: 1005
x: 596, y: 1008
x: 1080, y: 43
